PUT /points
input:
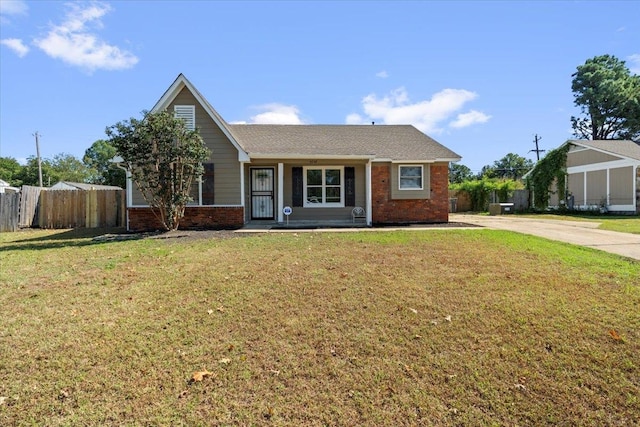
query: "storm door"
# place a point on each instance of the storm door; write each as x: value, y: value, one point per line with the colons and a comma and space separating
x: 262, y: 193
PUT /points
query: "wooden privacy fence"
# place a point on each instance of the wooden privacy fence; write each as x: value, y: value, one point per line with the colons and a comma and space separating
x: 76, y: 208
x: 9, y: 205
x: 29, y: 202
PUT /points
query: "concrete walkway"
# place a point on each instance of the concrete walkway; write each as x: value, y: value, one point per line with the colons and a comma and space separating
x: 582, y: 233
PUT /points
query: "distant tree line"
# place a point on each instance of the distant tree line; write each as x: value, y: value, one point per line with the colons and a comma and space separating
x: 511, y: 166
x: 94, y: 168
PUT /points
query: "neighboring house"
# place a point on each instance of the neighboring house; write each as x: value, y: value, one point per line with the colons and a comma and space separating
x: 321, y: 173
x: 67, y: 185
x: 603, y: 174
x: 6, y: 188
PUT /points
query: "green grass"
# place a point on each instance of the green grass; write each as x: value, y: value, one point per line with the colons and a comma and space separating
x: 623, y: 224
x: 439, y: 327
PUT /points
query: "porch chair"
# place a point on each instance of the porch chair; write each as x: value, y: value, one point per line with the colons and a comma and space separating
x: 358, y: 213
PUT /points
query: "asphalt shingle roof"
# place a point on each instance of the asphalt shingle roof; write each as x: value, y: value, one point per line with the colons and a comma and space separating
x: 382, y: 142
x: 624, y: 148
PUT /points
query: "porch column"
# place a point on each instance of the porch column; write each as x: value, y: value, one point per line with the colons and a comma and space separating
x: 280, y: 204
x: 367, y: 174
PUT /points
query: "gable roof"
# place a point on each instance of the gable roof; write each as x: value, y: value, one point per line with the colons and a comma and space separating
x: 173, y: 91
x: 376, y: 142
x: 624, y: 148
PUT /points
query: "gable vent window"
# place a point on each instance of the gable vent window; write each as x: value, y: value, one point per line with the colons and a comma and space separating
x: 186, y: 113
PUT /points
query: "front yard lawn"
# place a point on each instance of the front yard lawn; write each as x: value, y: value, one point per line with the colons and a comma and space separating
x: 436, y: 327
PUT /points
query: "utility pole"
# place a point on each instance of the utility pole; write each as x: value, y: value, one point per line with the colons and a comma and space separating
x: 39, y: 161
x: 537, y: 150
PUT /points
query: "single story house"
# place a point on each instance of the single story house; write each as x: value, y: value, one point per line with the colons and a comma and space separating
x: 68, y: 185
x: 392, y: 174
x: 602, y: 174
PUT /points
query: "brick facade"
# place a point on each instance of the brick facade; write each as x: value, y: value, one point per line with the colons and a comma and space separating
x: 386, y: 210
x: 195, y: 217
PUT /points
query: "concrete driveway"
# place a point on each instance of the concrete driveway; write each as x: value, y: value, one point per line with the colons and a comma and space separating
x: 576, y: 232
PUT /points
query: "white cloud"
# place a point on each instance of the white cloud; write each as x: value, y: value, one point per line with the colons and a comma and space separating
x: 16, y: 45
x: 73, y: 42
x: 396, y: 108
x: 13, y: 7
x: 354, y: 119
x: 382, y: 74
x: 467, y: 119
x: 277, y: 114
x: 634, y: 63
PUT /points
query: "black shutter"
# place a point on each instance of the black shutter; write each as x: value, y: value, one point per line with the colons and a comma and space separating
x: 207, y: 184
x: 296, y: 191
x: 350, y: 186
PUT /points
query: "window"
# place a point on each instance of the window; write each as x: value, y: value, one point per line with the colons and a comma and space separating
x: 410, y: 177
x: 324, y: 186
x: 186, y: 113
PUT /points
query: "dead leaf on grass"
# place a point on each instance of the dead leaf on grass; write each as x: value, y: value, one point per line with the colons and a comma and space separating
x: 413, y: 310
x: 614, y: 334
x: 448, y: 318
x: 200, y: 375
x: 2, y: 399
x: 520, y: 387
x: 224, y: 361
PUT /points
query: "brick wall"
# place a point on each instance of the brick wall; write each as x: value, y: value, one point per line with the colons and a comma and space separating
x: 388, y: 211
x: 195, y: 217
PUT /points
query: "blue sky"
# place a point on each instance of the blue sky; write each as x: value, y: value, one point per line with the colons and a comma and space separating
x: 480, y: 77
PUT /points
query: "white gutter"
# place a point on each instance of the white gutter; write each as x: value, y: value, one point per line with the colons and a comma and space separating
x: 289, y: 156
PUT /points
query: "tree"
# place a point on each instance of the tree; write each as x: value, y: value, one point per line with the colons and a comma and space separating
x: 63, y: 167
x: 163, y: 157
x: 609, y: 97
x: 98, y: 159
x: 69, y: 168
x: 10, y: 170
x: 29, y: 172
x: 511, y: 166
x: 459, y: 173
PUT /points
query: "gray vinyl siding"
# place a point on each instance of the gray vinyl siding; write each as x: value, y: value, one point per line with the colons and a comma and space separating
x: 588, y: 157
x: 398, y: 194
x: 224, y: 155
x: 596, y: 187
x: 137, y: 199
x: 621, y: 186
x: 575, y: 186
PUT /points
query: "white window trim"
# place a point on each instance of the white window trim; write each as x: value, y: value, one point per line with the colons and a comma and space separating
x: 421, y: 177
x: 188, y: 113
x: 307, y: 204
